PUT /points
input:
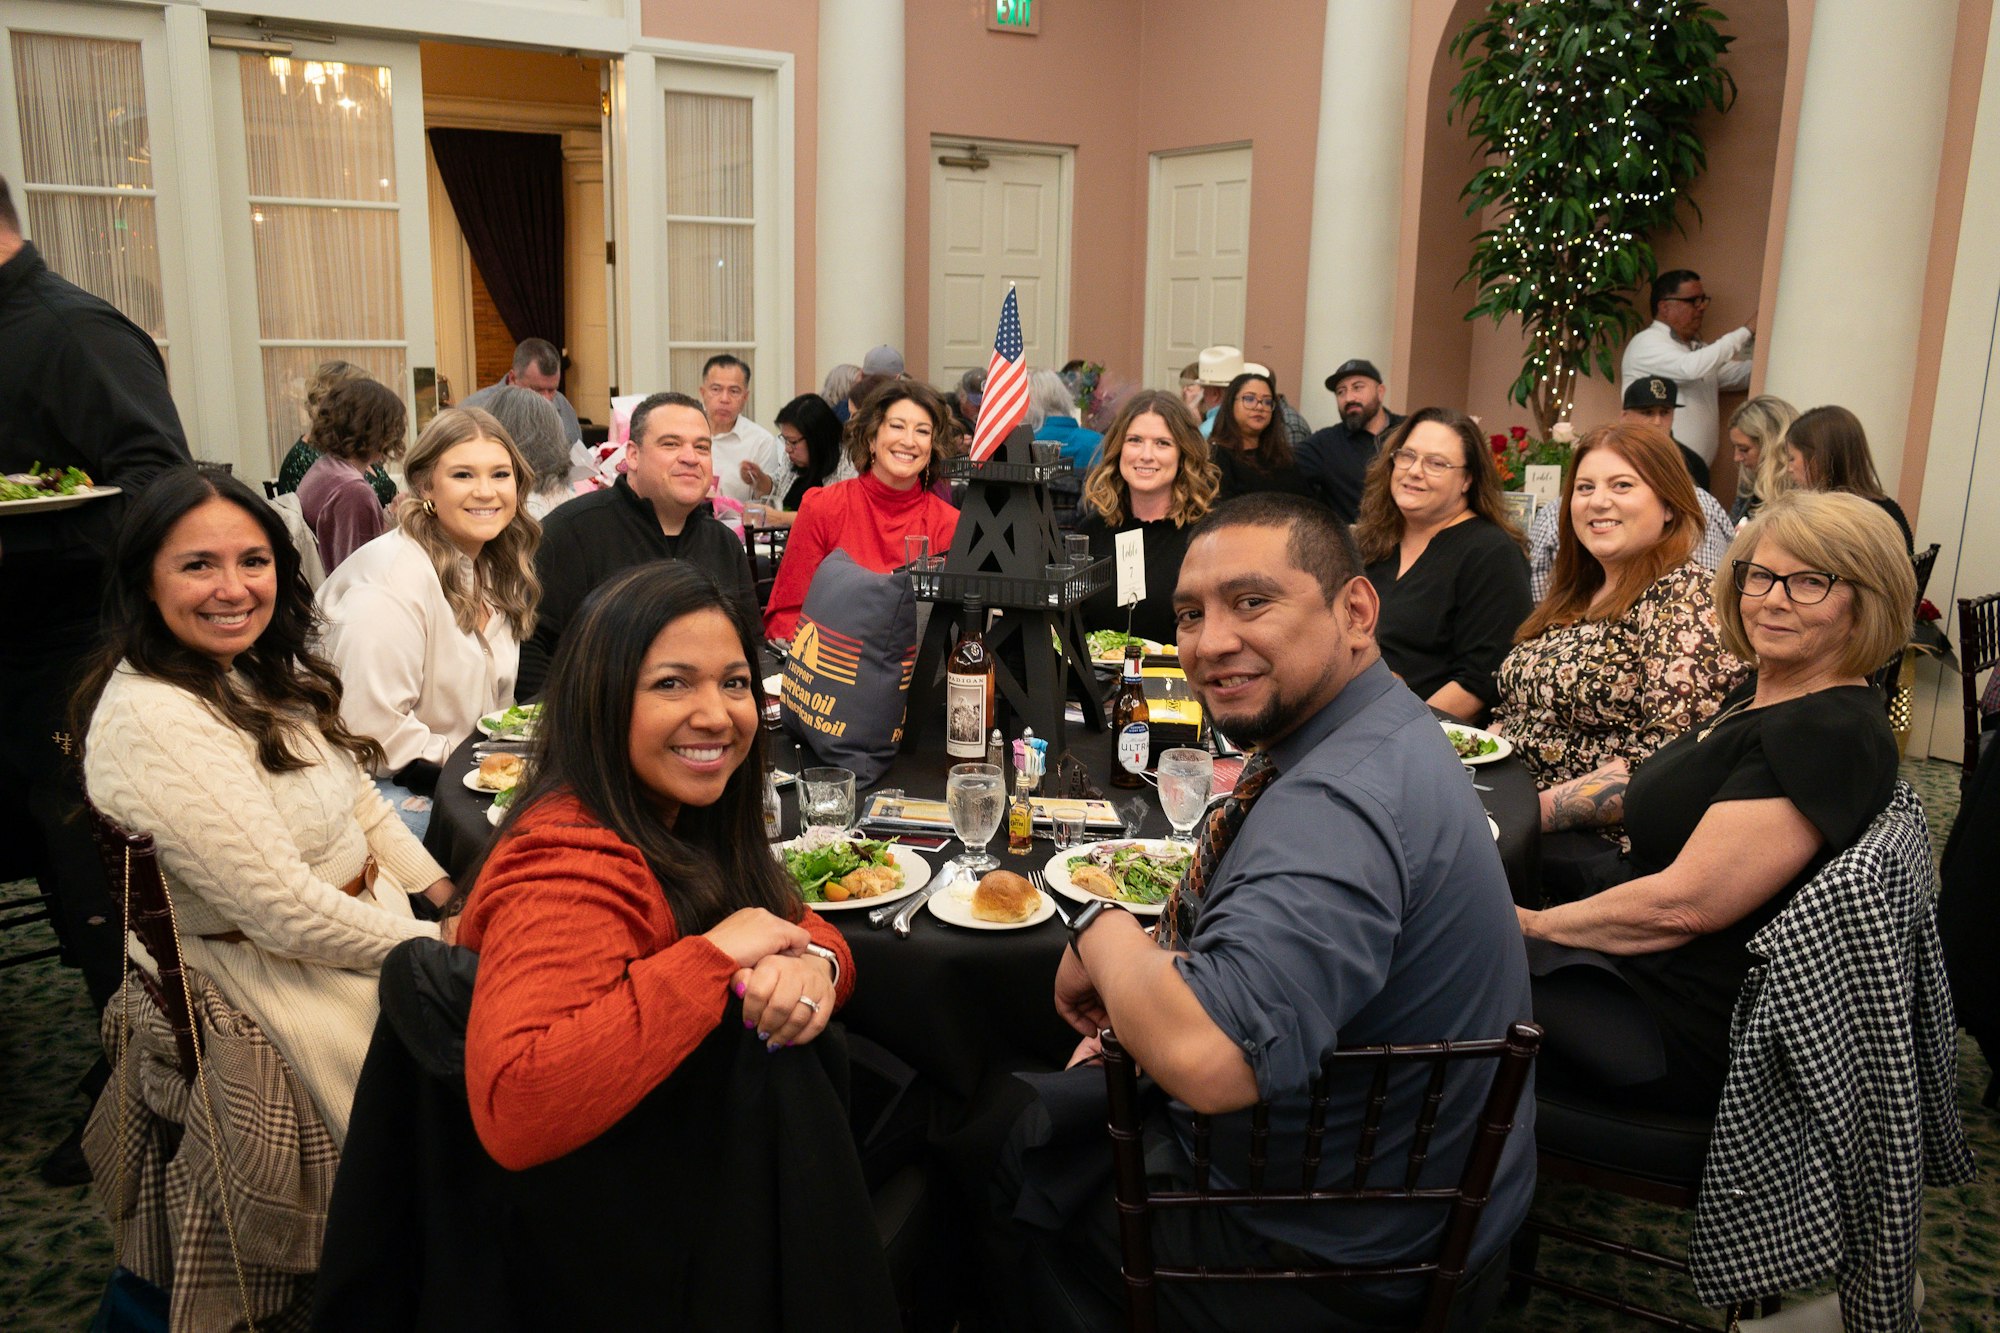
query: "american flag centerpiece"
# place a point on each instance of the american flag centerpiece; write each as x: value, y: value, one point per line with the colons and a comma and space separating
x: 1004, y: 403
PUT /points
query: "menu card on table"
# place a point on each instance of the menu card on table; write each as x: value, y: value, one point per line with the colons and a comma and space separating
x: 887, y: 810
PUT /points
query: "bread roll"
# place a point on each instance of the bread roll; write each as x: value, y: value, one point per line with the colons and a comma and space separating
x: 500, y: 772
x: 1005, y: 896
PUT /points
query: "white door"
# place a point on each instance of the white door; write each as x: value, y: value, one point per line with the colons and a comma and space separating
x: 1197, y: 257
x: 1008, y: 222
x: 325, y: 226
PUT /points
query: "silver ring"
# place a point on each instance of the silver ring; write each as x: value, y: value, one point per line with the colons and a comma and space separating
x: 809, y: 1002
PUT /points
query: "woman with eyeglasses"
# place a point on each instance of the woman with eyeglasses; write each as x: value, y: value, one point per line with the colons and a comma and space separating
x: 1731, y: 819
x: 1827, y: 450
x: 1624, y: 653
x: 1449, y: 564
x: 811, y: 435
x: 1251, y: 447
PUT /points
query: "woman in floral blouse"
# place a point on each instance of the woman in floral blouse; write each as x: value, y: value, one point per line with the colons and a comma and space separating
x: 1624, y: 653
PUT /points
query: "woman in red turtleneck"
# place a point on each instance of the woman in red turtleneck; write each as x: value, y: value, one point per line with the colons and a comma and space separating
x: 896, y: 440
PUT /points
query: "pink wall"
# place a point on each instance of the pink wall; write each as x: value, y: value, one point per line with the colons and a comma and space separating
x: 1070, y: 85
x: 770, y: 25
x: 1441, y: 358
x: 1120, y: 80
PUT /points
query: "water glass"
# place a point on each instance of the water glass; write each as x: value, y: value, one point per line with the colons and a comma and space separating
x: 1186, y: 777
x: 1076, y: 546
x: 753, y: 516
x: 1069, y: 818
x: 826, y: 798
x: 1057, y: 579
x: 975, y: 795
x: 916, y: 550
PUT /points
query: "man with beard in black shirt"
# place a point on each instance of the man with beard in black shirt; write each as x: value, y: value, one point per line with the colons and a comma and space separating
x: 1339, y: 455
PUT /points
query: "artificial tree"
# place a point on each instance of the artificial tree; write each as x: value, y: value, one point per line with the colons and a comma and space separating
x: 1584, y: 112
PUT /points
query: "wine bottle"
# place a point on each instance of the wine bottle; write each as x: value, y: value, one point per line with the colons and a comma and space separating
x: 968, y: 687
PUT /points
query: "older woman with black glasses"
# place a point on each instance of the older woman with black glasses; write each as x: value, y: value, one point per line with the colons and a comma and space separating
x: 1729, y: 821
x: 1448, y: 563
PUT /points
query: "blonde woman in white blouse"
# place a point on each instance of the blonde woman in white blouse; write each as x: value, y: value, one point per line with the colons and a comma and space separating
x: 212, y: 726
x: 424, y: 624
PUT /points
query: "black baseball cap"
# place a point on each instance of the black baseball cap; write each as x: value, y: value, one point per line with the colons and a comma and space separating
x: 1650, y: 391
x: 1355, y: 367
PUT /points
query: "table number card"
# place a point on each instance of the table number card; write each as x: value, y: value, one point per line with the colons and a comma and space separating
x: 1130, y: 554
x: 1544, y: 482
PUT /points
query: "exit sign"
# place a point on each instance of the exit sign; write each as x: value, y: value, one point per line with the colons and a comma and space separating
x: 1014, y: 16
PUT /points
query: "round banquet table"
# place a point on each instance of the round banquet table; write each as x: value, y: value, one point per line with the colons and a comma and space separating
x: 953, y: 1002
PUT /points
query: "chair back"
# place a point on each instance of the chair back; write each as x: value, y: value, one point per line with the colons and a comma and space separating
x: 1923, y: 562
x: 303, y: 537
x: 767, y: 552
x: 1512, y: 1055
x: 1978, y: 650
x: 133, y: 865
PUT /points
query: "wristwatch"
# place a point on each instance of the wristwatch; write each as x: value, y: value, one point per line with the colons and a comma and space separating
x: 832, y: 960
x: 1091, y: 911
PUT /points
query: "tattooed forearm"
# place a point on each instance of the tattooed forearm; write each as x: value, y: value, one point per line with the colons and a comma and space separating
x: 1591, y: 801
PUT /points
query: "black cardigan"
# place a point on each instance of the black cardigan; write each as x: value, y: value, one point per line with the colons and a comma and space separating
x: 589, y: 539
x: 731, y: 1197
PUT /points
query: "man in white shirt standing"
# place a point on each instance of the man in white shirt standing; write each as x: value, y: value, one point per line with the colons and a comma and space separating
x: 1671, y: 348
x: 749, y: 461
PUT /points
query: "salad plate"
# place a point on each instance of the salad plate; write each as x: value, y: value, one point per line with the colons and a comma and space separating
x: 513, y: 724
x: 1475, y: 746
x: 798, y: 859
x: 45, y: 503
x: 1157, y: 861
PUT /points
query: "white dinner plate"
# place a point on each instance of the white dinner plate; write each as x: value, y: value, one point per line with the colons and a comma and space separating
x: 916, y: 874
x: 1056, y: 872
x: 471, y: 780
x: 953, y: 906
x: 1506, y: 746
x: 489, y: 726
x: 45, y: 503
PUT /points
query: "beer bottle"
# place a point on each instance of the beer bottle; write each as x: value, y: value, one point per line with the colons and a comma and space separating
x: 1131, y: 724
x: 968, y: 687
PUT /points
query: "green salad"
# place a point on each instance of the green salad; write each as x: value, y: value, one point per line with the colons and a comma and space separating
x: 1470, y: 744
x: 516, y: 723
x: 1111, y: 642
x: 1142, y: 874
x: 39, y: 483
x: 825, y: 868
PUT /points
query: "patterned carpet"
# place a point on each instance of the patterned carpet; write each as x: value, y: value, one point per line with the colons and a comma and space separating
x: 55, y: 1251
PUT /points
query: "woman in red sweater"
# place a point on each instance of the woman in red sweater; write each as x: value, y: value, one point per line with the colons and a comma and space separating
x: 631, y: 890
x: 896, y: 440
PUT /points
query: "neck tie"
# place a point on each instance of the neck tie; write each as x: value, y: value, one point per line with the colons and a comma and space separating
x: 1217, y: 832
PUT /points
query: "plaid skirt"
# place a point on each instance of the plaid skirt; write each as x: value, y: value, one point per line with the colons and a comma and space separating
x: 161, y: 1178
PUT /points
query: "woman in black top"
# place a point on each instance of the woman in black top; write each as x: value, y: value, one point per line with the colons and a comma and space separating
x: 1249, y: 442
x: 1731, y: 819
x: 1446, y: 560
x: 811, y: 434
x: 1827, y: 450
x: 1154, y: 477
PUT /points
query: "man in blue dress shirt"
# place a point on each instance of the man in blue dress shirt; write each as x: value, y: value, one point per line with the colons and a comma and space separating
x: 1361, y: 900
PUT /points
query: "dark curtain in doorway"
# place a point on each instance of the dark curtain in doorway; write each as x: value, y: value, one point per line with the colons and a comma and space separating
x: 507, y: 190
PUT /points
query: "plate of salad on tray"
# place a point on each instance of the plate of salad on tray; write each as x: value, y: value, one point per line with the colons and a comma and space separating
x: 836, y: 871
x: 46, y: 488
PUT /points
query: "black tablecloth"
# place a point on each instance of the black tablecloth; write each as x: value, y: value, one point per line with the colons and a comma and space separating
x: 955, y: 1002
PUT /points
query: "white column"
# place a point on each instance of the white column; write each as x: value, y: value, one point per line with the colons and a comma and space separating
x: 204, y: 364
x: 858, y: 250
x: 1357, y: 195
x: 1858, y: 227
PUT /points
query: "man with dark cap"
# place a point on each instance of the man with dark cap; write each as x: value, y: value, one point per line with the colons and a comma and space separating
x: 1339, y: 455
x: 1652, y: 399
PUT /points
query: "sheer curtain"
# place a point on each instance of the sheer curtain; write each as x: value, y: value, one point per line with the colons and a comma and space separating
x: 711, y: 230
x: 88, y: 183
x: 324, y: 225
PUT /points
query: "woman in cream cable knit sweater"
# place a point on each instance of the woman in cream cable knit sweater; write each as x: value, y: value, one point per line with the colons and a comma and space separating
x: 212, y: 727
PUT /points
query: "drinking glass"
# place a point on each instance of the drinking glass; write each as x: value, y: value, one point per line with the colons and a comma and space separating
x: 753, y: 516
x: 1057, y: 579
x: 916, y: 549
x: 826, y: 798
x: 1186, y: 777
x: 1076, y: 546
x: 976, y: 797
x: 1069, y: 817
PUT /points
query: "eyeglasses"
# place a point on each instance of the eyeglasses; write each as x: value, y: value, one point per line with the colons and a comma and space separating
x: 1698, y: 302
x: 1255, y: 400
x: 1805, y: 587
x: 1433, y: 464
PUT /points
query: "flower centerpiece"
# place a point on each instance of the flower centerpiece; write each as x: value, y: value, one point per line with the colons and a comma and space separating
x: 1516, y: 451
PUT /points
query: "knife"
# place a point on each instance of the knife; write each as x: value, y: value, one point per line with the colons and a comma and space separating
x: 907, y: 910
